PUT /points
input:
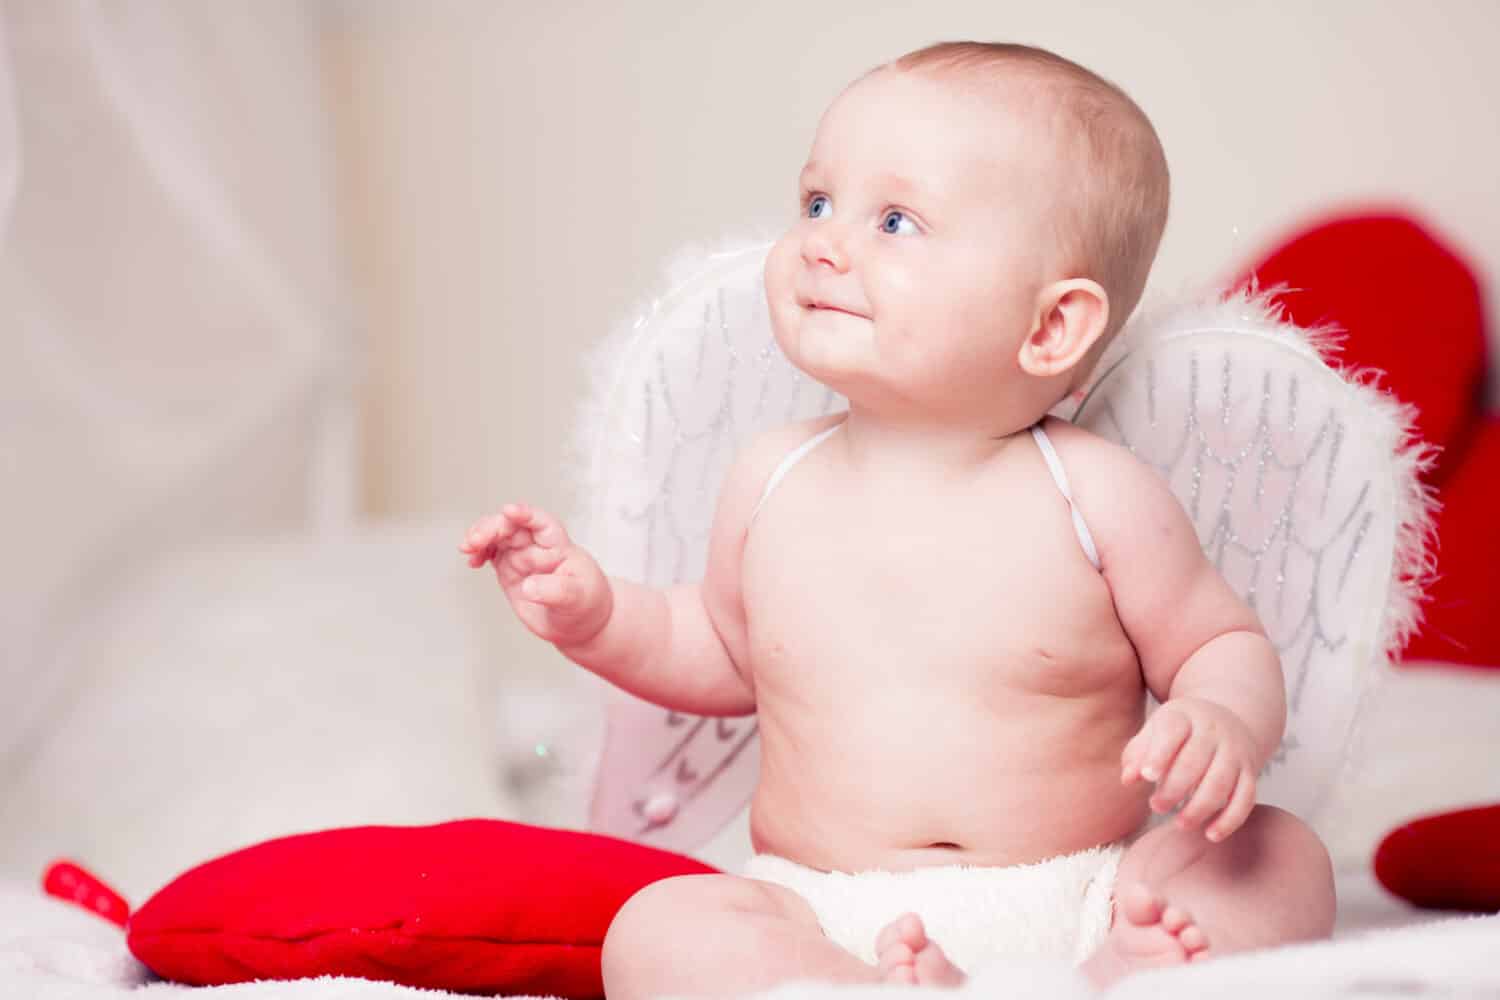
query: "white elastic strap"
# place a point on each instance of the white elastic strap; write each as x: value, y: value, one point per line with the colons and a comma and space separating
x: 791, y: 459
x: 1054, y: 465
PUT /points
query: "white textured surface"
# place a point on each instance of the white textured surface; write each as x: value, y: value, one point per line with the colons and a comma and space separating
x: 261, y: 688
x: 48, y: 952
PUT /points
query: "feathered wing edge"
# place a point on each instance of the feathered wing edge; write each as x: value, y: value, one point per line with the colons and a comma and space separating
x: 588, y: 474
x: 606, y: 363
x: 1387, y: 419
x: 1256, y: 310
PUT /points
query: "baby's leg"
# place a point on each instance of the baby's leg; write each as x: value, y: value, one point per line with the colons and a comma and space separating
x: 719, y: 936
x: 1180, y: 897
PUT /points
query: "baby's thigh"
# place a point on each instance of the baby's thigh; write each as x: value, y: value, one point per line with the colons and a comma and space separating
x: 676, y: 912
x: 1270, y: 882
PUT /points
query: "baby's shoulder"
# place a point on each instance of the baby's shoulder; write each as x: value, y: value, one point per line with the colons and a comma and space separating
x: 758, y: 458
x: 1108, y: 481
x: 1093, y: 455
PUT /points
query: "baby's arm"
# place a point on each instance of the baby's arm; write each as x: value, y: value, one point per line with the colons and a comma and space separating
x: 1203, y: 651
x: 683, y: 647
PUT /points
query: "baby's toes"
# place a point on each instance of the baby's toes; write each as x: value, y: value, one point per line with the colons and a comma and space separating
x: 1174, y: 919
x: 895, y: 960
x: 897, y: 946
x: 1179, y: 923
x: 933, y: 967
x: 1139, y: 905
x: 906, y: 930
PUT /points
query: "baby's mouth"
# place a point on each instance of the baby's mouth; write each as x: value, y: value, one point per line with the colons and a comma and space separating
x: 830, y: 307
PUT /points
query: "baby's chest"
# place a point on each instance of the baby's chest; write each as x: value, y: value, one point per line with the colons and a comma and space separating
x: 988, y: 603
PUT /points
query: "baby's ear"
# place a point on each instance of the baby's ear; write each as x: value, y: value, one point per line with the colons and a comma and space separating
x: 1071, y: 317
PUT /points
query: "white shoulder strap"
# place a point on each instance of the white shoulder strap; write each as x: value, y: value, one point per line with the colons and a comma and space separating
x: 1055, y: 466
x: 793, y: 457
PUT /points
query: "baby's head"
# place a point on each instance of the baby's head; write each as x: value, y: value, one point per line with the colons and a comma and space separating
x: 977, y: 221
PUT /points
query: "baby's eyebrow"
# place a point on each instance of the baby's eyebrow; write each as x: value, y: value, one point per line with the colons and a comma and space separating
x: 896, y: 182
x: 902, y: 186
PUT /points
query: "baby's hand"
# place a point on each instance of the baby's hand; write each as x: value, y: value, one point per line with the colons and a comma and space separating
x: 1198, y: 748
x: 555, y: 587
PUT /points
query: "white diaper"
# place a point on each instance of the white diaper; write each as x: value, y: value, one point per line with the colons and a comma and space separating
x: 1055, y: 909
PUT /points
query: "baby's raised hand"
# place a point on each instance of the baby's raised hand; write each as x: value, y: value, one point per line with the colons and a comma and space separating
x: 1198, y: 753
x: 556, y: 588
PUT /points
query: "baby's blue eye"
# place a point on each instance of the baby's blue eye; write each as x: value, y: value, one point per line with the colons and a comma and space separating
x: 897, y: 223
x: 818, y: 206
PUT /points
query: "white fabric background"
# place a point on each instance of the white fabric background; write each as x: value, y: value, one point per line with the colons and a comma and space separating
x: 195, y: 649
x: 174, y: 323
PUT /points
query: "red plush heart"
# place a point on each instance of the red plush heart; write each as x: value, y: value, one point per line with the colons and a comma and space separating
x: 1449, y: 862
x: 1409, y: 307
x: 479, y: 906
x: 1462, y: 611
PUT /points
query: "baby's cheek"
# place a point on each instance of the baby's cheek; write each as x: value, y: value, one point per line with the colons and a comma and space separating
x: 781, y: 299
x: 779, y: 264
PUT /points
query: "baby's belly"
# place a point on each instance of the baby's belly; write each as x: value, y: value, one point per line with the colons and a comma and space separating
x: 905, y: 782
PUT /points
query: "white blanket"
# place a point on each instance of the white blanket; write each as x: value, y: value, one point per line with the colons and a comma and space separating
x: 52, y: 951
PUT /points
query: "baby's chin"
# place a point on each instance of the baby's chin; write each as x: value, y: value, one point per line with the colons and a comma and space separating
x: 835, y: 348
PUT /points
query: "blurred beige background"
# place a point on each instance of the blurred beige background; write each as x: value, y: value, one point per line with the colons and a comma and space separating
x: 512, y: 174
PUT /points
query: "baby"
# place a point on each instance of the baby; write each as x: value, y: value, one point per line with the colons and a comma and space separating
x: 945, y: 607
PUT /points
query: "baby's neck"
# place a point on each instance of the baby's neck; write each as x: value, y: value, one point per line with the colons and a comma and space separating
x: 878, y: 444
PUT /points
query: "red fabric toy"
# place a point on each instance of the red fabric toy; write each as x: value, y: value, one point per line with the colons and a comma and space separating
x: 480, y: 906
x: 1410, y: 307
x: 1447, y: 862
x: 71, y: 883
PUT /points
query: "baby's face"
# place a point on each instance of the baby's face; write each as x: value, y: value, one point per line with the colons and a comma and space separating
x: 927, y: 230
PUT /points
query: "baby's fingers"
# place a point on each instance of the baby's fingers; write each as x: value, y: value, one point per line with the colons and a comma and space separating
x: 546, y: 530
x: 519, y: 563
x: 1214, y: 791
x: 1238, y: 810
x: 1169, y: 731
x: 1187, y: 770
x: 486, y: 536
x: 479, y: 541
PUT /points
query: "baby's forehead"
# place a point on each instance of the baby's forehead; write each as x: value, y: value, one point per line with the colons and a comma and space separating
x: 1004, y: 106
x: 920, y: 117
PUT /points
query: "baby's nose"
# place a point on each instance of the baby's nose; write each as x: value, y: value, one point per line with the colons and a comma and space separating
x: 824, y: 245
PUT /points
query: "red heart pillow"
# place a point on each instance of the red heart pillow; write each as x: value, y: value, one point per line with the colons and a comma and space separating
x: 1449, y: 861
x: 1410, y: 307
x: 474, y: 906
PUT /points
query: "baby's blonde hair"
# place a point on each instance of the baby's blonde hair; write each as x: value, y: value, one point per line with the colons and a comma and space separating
x: 1121, y: 178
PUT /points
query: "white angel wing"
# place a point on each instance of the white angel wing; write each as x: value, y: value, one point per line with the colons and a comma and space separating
x: 676, y: 397
x: 1303, y: 488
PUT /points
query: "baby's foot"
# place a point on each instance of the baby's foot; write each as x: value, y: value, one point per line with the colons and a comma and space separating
x: 907, y: 955
x: 1147, y: 932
